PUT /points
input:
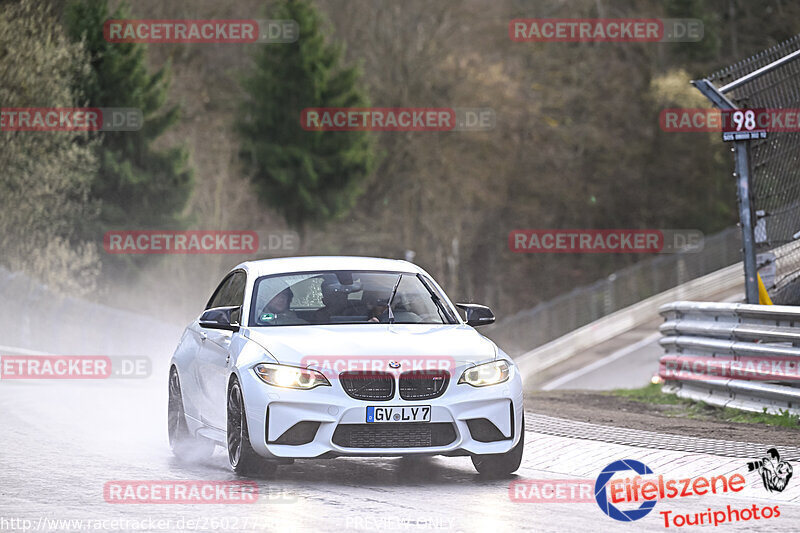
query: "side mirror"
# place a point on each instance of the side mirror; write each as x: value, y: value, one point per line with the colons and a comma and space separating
x: 226, y: 318
x: 477, y: 315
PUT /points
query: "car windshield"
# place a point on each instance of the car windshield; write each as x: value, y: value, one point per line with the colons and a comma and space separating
x: 347, y: 297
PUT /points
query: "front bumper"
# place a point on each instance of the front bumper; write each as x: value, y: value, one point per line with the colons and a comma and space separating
x: 274, y: 412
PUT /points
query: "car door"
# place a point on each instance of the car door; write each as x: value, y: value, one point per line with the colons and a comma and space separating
x: 214, y: 359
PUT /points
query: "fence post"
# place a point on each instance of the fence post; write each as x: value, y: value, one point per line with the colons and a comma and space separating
x: 742, y: 154
x: 742, y: 157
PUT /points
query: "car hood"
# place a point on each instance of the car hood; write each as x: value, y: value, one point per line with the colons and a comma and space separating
x: 297, y: 345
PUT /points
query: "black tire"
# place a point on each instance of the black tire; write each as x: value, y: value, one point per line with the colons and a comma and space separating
x: 243, y: 459
x: 501, y: 464
x: 183, y: 444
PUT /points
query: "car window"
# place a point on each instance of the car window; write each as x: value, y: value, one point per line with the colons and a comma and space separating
x: 307, y: 293
x: 230, y: 292
x: 345, y: 297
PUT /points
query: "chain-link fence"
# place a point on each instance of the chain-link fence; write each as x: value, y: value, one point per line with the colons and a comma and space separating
x: 774, y: 164
x: 529, y: 329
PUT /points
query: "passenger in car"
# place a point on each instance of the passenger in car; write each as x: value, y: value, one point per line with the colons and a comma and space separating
x: 377, y: 308
x: 335, y: 302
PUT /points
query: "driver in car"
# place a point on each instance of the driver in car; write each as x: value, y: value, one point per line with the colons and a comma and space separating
x: 277, y: 311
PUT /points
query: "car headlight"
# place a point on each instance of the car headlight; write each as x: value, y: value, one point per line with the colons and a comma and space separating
x: 290, y: 377
x: 486, y: 374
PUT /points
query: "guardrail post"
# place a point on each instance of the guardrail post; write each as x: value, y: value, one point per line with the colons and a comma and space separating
x: 608, y: 296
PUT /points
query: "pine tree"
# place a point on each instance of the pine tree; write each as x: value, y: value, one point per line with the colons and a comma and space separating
x: 44, y: 180
x: 309, y: 177
x: 138, y: 186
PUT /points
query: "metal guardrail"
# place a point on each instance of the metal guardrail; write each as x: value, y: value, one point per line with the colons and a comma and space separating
x: 732, y: 355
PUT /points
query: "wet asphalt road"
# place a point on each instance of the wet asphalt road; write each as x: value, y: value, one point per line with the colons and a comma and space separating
x: 62, y: 441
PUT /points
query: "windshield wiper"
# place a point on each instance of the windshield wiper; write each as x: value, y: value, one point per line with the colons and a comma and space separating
x: 389, y: 305
x: 440, y: 306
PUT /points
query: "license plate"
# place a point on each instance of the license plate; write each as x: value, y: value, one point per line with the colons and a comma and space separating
x: 417, y: 413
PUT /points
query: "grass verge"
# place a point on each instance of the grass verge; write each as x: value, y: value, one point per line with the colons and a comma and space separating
x: 681, y: 407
